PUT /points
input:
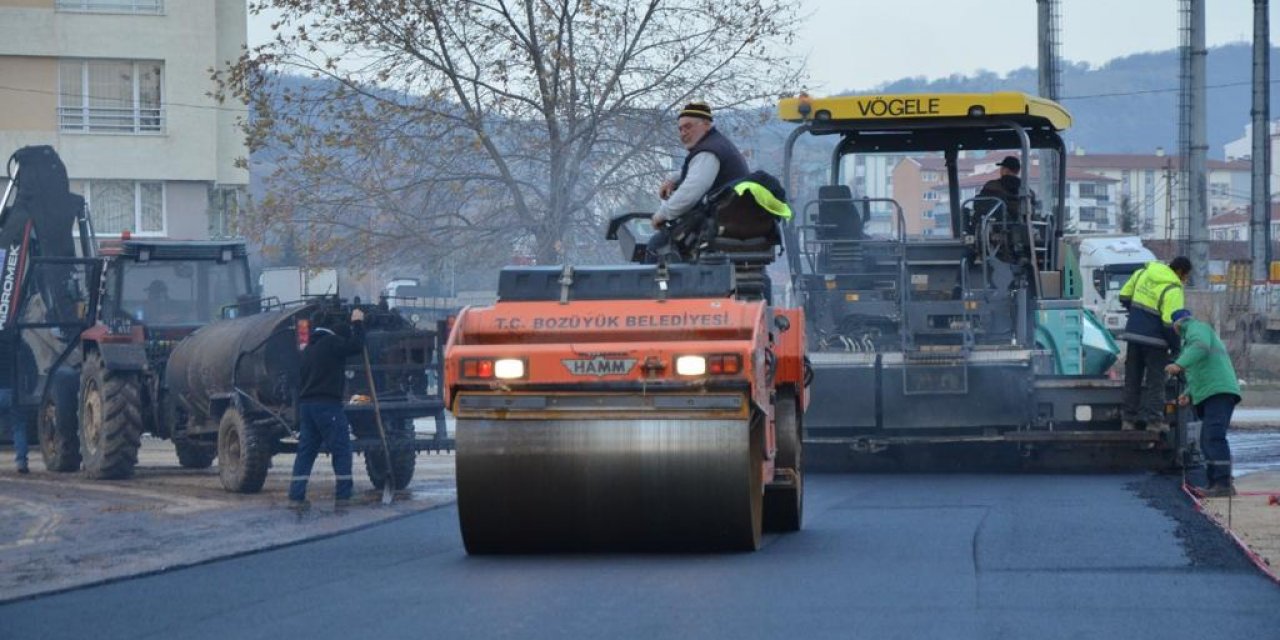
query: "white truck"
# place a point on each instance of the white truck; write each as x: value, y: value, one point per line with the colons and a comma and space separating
x: 1106, y: 262
x: 290, y: 284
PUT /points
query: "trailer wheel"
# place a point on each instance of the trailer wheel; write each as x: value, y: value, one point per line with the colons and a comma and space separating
x: 110, y: 420
x: 195, y: 455
x: 403, y: 460
x: 59, y: 431
x: 244, y: 454
x: 784, y: 505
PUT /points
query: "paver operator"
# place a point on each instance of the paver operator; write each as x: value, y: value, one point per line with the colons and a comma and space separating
x: 1151, y: 295
x: 321, y: 418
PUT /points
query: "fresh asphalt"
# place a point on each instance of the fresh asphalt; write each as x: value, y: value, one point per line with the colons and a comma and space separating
x: 884, y: 556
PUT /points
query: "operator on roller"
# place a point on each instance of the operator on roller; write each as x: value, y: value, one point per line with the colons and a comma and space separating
x: 713, y: 162
x: 1151, y: 295
x: 321, y: 419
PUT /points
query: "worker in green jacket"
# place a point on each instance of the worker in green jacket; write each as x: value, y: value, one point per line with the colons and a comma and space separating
x: 1214, y: 390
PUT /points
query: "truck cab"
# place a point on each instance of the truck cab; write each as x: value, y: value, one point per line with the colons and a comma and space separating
x: 1106, y: 262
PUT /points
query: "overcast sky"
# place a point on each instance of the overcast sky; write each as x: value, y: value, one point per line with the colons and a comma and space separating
x: 860, y: 44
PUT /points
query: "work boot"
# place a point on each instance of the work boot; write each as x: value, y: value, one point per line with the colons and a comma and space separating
x: 22, y: 468
x: 1128, y: 425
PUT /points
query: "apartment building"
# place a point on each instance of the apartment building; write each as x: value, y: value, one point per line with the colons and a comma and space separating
x: 121, y: 89
x: 1090, y: 204
x: 1147, y: 187
x: 1234, y: 226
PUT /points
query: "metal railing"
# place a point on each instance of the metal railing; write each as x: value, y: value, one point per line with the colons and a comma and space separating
x: 111, y: 120
x: 112, y: 6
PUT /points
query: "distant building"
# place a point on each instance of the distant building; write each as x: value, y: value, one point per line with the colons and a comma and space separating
x: 1234, y: 226
x: 1242, y: 149
x: 120, y: 89
x: 1090, y: 205
x: 1147, y: 187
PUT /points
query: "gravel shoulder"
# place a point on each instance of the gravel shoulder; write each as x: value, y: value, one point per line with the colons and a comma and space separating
x: 62, y: 531
x: 1251, y: 516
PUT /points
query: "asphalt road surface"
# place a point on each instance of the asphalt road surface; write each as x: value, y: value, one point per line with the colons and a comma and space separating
x: 893, y: 556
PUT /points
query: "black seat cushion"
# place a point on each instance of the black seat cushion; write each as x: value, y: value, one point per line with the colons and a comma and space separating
x: 838, y: 218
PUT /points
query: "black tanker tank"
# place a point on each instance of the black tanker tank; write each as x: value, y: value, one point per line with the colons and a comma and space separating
x: 255, y: 356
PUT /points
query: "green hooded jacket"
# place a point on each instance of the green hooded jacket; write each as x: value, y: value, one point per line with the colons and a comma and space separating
x: 1205, y: 359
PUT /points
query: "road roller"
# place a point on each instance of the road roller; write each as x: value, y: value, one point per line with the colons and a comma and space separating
x: 634, y: 407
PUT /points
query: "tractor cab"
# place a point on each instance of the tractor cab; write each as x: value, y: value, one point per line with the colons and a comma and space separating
x: 174, y: 284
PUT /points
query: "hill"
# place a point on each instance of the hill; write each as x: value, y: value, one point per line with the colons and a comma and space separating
x: 1129, y: 105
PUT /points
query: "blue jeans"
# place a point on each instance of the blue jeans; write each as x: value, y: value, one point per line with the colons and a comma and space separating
x: 657, y: 245
x: 1215, y: 416
x: 13, y: 419
x: 322, y: 423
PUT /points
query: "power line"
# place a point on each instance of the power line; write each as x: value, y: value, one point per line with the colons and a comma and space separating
x: 1116, y: 94
x: 124, y: 101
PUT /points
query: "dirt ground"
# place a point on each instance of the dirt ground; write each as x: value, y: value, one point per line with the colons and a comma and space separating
x: 1251, y: 516
x: 59, y: 531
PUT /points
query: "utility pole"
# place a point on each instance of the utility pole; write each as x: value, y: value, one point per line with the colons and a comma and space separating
x: 1260, y: 193
x: 1050, y: 68
x: 1193, y: 192
x: 1168, y: 203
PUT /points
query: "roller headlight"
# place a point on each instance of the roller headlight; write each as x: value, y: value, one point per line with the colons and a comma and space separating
x: 691, y: 365
x: 508, y: 369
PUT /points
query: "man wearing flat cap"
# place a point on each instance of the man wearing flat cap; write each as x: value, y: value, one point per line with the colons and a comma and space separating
x: 713, y: 162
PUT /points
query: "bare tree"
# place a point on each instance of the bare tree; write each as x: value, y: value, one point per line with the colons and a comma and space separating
x: 487, y: 126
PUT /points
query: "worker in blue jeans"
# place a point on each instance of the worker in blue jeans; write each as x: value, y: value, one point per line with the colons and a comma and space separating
x: 13, y: 419
x: 1214, y: 390
x: 321, y: 419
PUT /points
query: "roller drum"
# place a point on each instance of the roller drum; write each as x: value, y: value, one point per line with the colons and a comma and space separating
x: 609, y: 484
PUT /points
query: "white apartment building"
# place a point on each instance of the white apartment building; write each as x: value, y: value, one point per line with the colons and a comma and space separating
x: 120, y: 89
x: 1147, y: 186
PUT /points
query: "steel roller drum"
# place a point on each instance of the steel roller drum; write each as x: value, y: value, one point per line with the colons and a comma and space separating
x: 608, y: 484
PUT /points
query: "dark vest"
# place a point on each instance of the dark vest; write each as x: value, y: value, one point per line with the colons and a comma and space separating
x: 732, y: 165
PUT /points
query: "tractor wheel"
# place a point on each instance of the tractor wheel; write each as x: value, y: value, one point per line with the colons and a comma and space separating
x: 110, y: 420
x: 195, y: 455
x: 403, y: 459
x: 244, y: 454
x: 784, y: 505
x: 58, y: 430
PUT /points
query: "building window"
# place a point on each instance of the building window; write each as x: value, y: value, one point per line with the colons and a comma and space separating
x: 126, y: 205
x: 225, y: 205
x: 1093, y: 214
x: 110, y: 96
x: 1093, y: 190
x: 113, y: 6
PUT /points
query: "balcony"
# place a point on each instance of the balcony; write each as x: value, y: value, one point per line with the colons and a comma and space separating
x: 154, y: 7
x: 110, y: 120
